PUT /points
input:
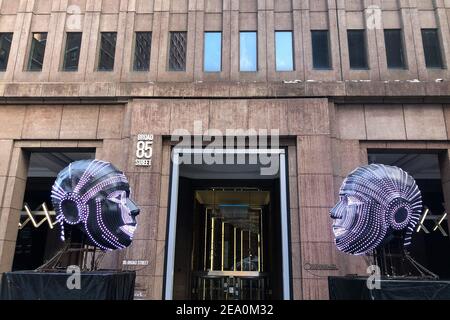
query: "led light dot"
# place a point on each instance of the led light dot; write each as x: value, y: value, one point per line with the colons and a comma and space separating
x: 375, y: 201
x: 99, y: 193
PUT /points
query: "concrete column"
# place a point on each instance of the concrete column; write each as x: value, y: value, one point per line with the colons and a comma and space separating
x: 150, y: 187
x: 12, y: 184
x: 299, y: 54
x: 234, y: 40
x: 444, y: 31
x: 417, y: 40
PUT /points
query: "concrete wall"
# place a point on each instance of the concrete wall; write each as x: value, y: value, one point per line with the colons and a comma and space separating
x: 229, y: 16
x: 329, y: 123
x: 325, y: 141
x: 113, y: 129
x: 36, y: 127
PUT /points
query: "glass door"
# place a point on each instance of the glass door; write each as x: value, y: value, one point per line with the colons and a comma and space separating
x: 232, y: 265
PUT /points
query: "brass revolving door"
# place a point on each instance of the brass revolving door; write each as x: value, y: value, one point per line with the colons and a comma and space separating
x: 229, y: 260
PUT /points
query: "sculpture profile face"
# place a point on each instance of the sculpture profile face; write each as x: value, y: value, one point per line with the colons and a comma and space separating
x: 95, y: 196
x: 375, y: 201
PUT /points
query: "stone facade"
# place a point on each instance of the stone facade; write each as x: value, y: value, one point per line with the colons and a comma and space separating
x: 327, y: 119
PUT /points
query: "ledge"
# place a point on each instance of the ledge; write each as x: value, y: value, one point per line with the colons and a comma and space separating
x: 109, y: 91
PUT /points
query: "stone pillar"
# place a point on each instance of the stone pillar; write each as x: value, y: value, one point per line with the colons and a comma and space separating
x: 146, y: 184
x: 348, y: 155
x: 315, y: 193
x: 13, y: 175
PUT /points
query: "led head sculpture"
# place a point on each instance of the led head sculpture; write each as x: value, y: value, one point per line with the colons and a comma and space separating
x: 375, y: 201
x: 95, y: 196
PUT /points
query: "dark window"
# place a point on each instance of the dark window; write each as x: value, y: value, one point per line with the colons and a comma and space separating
x: 248, y: 44
x: 213, y: 52
x: 284, y: 51
x: 394, y: 48
x: 107, y: 51
x: 432, y: 48
x: 142, y: 51
x: 357, y: 49
x: 37, y: 51
x: 427, y: 245
x: 5, y: 47
x: 177, y: 52
x: 321, y: 49
x: 72, y: 51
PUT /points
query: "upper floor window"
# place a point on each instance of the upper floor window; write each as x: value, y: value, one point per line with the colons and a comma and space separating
x: 177, y: 51
x: 5, y: 47
x: 284, y: 51
x: 37, y: 51
x: 142, y: 51
x: 107, y: 51
x: 72, y: 51
x: 432, y: 48
x: 394, y: 48
x: 357, y: 50
x: 321, y: 49
x: 212, y: 52
x: 248, y: 51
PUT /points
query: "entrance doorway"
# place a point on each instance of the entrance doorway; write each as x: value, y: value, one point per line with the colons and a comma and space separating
x: 228, y: 231
x: 38, y: 238
x: 430, y: 240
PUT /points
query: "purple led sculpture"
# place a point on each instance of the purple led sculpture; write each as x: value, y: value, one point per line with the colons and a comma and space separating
x: 94, y: 195
x: 375, y: 201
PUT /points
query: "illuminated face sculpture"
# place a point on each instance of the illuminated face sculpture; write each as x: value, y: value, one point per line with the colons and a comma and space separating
x: 94, y: 195
x: 375, y: 201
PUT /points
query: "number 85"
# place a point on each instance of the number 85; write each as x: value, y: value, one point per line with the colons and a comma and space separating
x: 144, y: 149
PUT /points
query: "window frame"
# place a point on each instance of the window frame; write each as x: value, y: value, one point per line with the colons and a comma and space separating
x: 221, y: 52
x: 256, y: 55
x: 63, y: 65
x: 30, y: 51
x: 99, y: 53
x: 183, y: 69
x: 366, y: 52
x: 330, y: 58
x: 9, y: 50
x: 442, y: 64
x: 402, y: 50
x: 292, y: 50
x: 135, y: 42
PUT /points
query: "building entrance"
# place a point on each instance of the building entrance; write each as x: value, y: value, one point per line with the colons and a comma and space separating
x: 231, y: 234
x: 38, y: 238
x: 230, y: 237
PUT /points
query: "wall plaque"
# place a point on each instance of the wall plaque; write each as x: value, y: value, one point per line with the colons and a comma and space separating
x: 144, y: 150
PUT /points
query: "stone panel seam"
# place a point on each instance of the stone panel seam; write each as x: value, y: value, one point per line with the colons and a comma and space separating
x: 404, y: 122
x: 60, y: 121
x: 365, y: 121
x: 98, y: 122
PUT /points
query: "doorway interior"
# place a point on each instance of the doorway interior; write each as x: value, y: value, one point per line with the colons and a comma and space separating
x: 35, y: 245
x: 231, y: 232
x: 430, y: 241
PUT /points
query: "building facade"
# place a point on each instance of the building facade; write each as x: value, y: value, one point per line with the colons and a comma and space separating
x: 341, y: 80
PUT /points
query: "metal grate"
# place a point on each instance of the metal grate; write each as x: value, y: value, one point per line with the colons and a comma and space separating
x: 142, y: 51
x: 107, y: 51
x: 177, y: 54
